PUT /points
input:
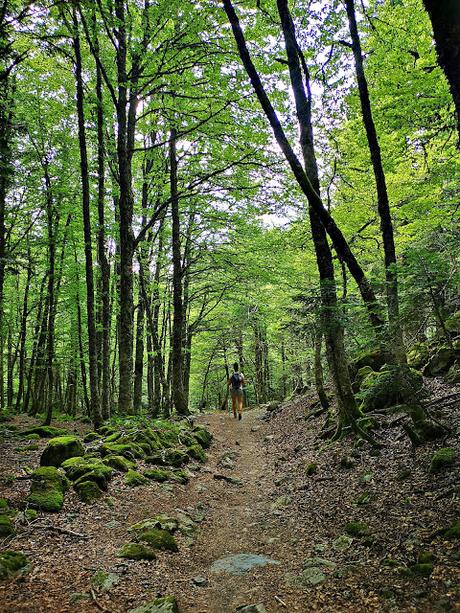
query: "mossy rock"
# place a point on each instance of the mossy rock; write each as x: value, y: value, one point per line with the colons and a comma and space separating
x: 45, y: 431
x: 99, y: 474
x: 162, y: 474
x: 452, y: 323
x: 393, y: 385
x: 128, y: 450
x: 88, y: 491
x: 11, y: 563
x: 91, y: 436
x: 113, y: 437
x: 159, y: 539
x: 137, y: 551
x: 440, y: 362
x: 162, y: 521
x: 104, y: 581
x: 441, y: 458
x: 372, y: 358
x: 311, y: 468
x: 196, y: 452
x: 358, y: 529
x: 165, y: 604
x: 453, y: 532
x: 48, y: 488
x: 119, y: 462
x: 88, y: 469
x: 60, y: 449
x: 30, y: 437
x: 133, y: 478
x: 418, y: 355
x: 169, y: 457
x: 6, y: 526
x: 203, y: 436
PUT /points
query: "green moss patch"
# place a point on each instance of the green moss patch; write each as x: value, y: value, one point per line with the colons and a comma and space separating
x: 356, y: 528
x: 88, y: 491
x: 169, y: 457
x: 196, y: 452
x: 45, y: 431
x: 129, y: 450
x: 159, y: 539
x: 162, y: 474
x: 203, y: 436
x: 163, y: 521
x: 441, y: 458
x: 47, y: 489
x: 391, y: 386
x: 311, y: 468
x: 134, y: 479
x: 119, y: 462
x: 165, y: 604
x: 137, y: 551
x: 11, y: 562
x: 453, y: 532
x: 6, y: 526
x: 60, y: 449
x: 88, y: 469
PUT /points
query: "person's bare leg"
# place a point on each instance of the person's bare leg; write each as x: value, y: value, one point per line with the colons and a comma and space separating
x: 240, y: 405
x: 234, y: 404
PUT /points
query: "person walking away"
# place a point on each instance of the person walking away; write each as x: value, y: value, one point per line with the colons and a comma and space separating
x: 236, y: 383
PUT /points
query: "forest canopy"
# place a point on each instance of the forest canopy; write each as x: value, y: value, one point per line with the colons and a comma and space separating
x: 185, y: 185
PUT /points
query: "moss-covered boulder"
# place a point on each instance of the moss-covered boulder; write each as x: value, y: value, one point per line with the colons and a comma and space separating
x: 202, y: 436
x: 47, y: 490
x: 88, y: 469
x: 6, y: 526
x: 357, y: 529
x: 11, y: 563
x: 453, y: 376
x: 91, y: 436
x: 45, y: 431
x: 372, y: 358
x: 60, y: 449
x: 128, y: 450
x: 169, y: 457
x: 165, y: 604
x: 360, y: 376
x: 441, y: 458
x: 163, y: 521
x: 162, y: 474
x: 418, y: 355
x: 119, y: 462
x: 440, y: 362
x: 137, y: 551
x: 196, y: 452
x: 393, y: 385
x: 159, y: 539
x: 134, y: 479
x: 88, y: 491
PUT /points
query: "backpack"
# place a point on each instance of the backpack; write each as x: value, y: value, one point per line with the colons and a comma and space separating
x: 236, y: 381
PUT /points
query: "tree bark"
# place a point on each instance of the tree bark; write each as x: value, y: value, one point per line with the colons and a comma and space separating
x: 95, y: 407
x: 178, y: 394
x: 445, y: 19
x: 396, y: 348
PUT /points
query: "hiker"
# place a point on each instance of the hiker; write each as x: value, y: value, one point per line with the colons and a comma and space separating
x: 236, y: 383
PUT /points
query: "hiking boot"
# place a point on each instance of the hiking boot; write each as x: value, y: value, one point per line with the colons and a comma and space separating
x: 239, y: 416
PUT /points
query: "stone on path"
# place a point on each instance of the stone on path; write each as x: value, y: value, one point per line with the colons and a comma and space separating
x: 166, y: 604
x: 251, y: 608
x: 239, y: 563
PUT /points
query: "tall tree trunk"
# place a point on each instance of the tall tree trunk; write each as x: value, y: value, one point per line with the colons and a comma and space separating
x: 23, y: 333
x: 396, y: 347
x: 104, y: 298
x: 341, y: 246
x: 445, y: 19
x: 95, y: 407
x: 139, y: 353
x: 177, y: 381
x: 125, y: 207
x: 50, y: 214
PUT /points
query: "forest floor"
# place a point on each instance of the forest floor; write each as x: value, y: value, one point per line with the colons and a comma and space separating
x: 253, y: 497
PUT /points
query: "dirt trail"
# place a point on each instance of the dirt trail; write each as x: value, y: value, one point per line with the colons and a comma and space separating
x: 240, y: 521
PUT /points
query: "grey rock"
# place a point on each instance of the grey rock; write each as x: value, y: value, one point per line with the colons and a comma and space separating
x: 200, y: 581
x: 239, y: 563
x: 312, y: 576
x: 167, y: 604
x: 251, y: 608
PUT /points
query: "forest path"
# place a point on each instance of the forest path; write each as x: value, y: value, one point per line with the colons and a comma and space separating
x: 241, y: 519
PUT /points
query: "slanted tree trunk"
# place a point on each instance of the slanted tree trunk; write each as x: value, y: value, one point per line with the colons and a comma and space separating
x: 340, y: 244
x: 95, y: 407
x: 330, y: 317
x: 445, y: 19
x: 396, y: 346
